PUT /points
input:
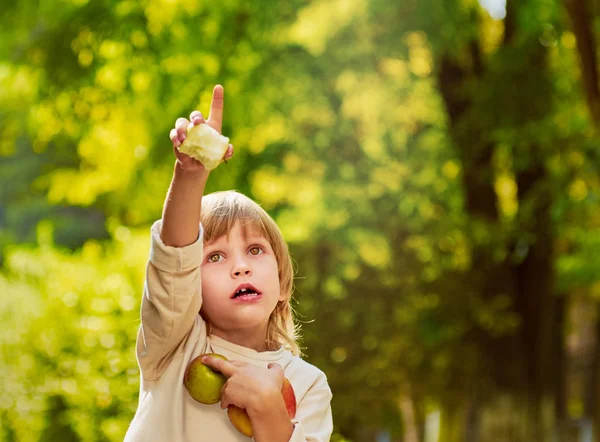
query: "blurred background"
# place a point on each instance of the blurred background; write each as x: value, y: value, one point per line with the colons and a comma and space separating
x: 434, y: 166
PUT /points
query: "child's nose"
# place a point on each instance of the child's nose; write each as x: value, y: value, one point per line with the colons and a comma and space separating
x: 239, y: 272
x: 241, y: 269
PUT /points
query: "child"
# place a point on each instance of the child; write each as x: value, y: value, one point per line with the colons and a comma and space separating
x: 199, y: 262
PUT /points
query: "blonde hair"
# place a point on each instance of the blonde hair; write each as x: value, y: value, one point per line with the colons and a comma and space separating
x: 220, y: 212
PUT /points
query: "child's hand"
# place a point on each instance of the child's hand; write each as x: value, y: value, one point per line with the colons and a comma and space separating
x: 215, y: 119
x: 248, y: 386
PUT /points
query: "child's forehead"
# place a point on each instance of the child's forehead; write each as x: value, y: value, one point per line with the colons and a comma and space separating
x: 248, y: 229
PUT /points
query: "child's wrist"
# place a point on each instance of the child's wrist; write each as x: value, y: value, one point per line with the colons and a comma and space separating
x: 180, y: 170
x: 270, y: 421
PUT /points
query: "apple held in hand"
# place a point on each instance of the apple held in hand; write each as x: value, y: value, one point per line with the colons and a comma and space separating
x: 205, y: 144
x: 241, y: 421
x: 202, y: 382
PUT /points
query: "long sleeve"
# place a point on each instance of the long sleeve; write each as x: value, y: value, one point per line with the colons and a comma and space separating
x: 313, y: 421
x: 171, y: 301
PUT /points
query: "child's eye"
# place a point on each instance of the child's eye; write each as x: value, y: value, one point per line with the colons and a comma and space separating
x: 255, y: 250
x: 215, y: 257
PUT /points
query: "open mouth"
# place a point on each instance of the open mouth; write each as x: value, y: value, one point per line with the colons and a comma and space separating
x: 245, y: 291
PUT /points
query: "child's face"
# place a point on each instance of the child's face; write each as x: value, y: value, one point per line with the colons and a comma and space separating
x: 243, y: 259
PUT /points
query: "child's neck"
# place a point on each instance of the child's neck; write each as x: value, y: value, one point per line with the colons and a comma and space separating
x: 242, y: 337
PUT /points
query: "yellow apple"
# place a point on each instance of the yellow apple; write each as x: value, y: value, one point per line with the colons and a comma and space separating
x: 240, y: 420
x: 202, y: 382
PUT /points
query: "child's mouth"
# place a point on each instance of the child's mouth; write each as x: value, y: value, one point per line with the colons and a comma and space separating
x: 246, y: 292
x: 248, y: 298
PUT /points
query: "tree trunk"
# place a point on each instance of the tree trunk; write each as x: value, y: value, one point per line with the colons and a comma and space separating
x: 592, y: 390
x: 409, y: 412
x: 562, y: 417
x: 517, y: 365
x: 586, y: 46
x: 452, y: 422
x: 534, y: 286
x: 473, y: 424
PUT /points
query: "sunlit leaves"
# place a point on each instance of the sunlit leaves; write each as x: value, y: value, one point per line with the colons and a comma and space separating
x: 109, y: 154
x: 318, y: 22
x: 579, y: 269
x: 68, y: 311
x: 373, y: 248
x: 339, y: 132
x: 18, y: 88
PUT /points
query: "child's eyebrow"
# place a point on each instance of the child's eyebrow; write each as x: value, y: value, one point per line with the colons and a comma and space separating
x: 256, y: 238
x: 252, y: 233
x: 210, y: 246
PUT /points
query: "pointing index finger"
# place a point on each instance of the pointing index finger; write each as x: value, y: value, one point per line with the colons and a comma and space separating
x: 215, y: 118
x: 221, y: 365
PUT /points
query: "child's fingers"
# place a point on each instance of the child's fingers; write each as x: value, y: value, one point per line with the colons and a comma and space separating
x: 225, y: 367
x: 181, y: 124
x: 197, y: 118
x: 181, y: 127
x: 275, y: 367
x: 174, y: 138
x: 224, y: 399
x: 229, y: 152
x: 215, y: 117
x: 229, y: 396
x: 278, y: 370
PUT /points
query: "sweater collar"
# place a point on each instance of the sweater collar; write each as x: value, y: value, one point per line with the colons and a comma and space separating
x: 248, y: 352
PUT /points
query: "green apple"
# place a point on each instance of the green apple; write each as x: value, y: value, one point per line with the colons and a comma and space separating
x: 205, y: 144
x: 241, y: 421
x: 202, y: 382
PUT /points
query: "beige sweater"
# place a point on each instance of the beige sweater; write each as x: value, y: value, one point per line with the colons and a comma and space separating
x: 173, y: 333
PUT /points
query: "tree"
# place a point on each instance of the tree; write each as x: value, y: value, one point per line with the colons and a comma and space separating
x: 433, y: 169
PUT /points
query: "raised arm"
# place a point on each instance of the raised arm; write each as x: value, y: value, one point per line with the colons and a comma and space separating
x: 172, y: 292
x: 181, y: 213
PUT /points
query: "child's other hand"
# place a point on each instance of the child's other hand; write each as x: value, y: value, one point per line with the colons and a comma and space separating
x: 256, y: 389
x: 215, y: 120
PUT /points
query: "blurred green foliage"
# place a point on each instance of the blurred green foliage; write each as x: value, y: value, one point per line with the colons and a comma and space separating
x: 341, y: 133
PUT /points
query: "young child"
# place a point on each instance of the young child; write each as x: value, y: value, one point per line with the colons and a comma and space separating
x: 203, y: 252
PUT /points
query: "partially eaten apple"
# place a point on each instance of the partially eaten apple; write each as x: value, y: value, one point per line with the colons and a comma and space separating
x: 241, y: 421
x: 205, y: 144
